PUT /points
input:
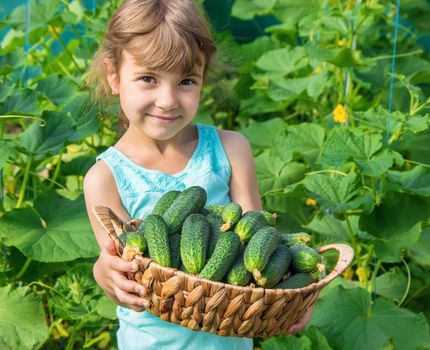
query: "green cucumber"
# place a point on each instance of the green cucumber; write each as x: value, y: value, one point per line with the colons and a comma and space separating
x: 157, y: 236
x: 276, y: 267
x: 215, y: 208
x: 164, y: 202
x: 224, y: 255
x: 306, y: 259
x: 194, y: 242
x: 238, y: 274
x: 231, y: 214
x: 190, y: 201
x: 270, y: 218
x: 249, y: 223
x: 291, y: 239
x: 175, y: 251
x: 259, y: 249
x: 215, y: 223
x: 299, y: 280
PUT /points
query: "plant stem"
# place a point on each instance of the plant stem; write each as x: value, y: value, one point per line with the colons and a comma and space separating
x: 57, y: 169
x: 326, y: 171
x: 24, y: 182
x: 1, y: 130
x: 23, y: 270
x: 64, y: 46
x: 408, y: 286
x: 351, y: 234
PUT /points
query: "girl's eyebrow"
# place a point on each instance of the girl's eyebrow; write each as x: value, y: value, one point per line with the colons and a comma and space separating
x: 157, y: 74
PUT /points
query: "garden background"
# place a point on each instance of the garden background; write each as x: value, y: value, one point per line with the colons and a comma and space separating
x: 334, y: 98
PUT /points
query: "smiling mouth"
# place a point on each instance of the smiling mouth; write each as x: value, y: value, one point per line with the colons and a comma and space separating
x: 162, y: 117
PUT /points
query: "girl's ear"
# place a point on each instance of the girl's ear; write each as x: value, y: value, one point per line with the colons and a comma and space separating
x: 112, y: 75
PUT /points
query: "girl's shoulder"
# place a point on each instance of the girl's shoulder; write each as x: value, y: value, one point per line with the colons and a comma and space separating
x: 235, y: 144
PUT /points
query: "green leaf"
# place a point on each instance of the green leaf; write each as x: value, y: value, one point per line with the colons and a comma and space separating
x: 22, y: 318
x: 350, y: 321
x: 64, y: 234
x: 338, y: 194
x: 305, y: 139
x: 342, y: 57
x: 392, y: 284
x: 395, y: 224
x: 329, y: 227
x: 416, y: 180
x: 291, y: 11
x: 255, y: 131
x: 248, y: 9
x: 6, y: 151
x: 287, y: 342
x: 377, y: 164
x: 343, y: 144
x: 49, y: 139
x: 283, y: 61
x: 78, y: 166
x: 420, y: 251
x: 22, y: 102
x: 58, y: 88
x: 106, y: 308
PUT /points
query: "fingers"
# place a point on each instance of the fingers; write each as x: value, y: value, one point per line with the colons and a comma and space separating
x: 129, y: 286
x: 130, y: 300
x: 109, y: 247
x: 301, y: 324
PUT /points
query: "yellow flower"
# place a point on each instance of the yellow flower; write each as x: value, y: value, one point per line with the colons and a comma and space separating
x: 348, y: 274
x: 71, y: 149
x: 363, y: 274
x: 342, y: 42
x: 311, y: 202
x: 339, y: 114
x: 318, y: 69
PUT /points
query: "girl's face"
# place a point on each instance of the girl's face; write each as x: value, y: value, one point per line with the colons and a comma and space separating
x: 158, y: 104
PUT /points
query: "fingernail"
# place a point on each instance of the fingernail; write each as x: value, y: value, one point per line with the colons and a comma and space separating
x: 134, y: 267
x: 141, y: 291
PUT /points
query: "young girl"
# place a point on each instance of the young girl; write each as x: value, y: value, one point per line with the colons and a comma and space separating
x: 154, y: 58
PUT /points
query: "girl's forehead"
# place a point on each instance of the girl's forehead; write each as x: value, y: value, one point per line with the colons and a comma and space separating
x: 138, y: 63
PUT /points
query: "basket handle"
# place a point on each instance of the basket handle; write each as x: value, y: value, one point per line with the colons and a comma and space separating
x: 106, y: 217
x: 346, y: 255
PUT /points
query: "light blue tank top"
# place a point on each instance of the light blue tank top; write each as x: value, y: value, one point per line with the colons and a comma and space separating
x: 140, y: 189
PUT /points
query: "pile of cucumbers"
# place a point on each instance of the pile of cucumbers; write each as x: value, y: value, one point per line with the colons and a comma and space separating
x: 221, y: 243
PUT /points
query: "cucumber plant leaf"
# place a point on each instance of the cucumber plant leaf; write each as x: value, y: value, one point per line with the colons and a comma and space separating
x: 22, y: 102
x: 305, y: 139
x: 61, y: 232
x: 271, y: 127
x: 22, y: 318
x: 349, y: 320
x: 283, y: 61
x: 395, y: 223
x: 58, y: 88
x: 40, y: 140
x: 338, y: 194
x: 416, y: 180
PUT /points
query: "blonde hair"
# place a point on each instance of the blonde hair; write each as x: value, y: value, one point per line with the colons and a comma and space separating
x: 160, y: 34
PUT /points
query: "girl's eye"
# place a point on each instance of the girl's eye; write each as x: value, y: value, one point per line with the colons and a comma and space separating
x: 187, y: 82
x: 148, y: 79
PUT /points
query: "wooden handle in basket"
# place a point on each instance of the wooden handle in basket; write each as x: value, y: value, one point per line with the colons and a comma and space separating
x: 346, y: 255
x: 106, y: 217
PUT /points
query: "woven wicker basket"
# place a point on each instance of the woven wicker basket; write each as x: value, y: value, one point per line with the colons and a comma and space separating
x: 216, y: 307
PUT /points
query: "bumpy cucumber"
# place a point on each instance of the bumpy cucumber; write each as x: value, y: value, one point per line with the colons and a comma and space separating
x: 259, y: 249
x: 223, y: 257
x: 299, y: 280
x: 190, y: 201
x: 231, y: 214
x: 165, y: 202
x: 135, y: 240
x: 175, y: 251
x: 157, y: 236
x: 249, y: 223
x: 291, y: 239
x: 306, y: 259
x: 270, y: 218
x: 276, y: 268
x: 194, y: 242
x: 215, y: 208
x: 215, y: 223
x: 238, y: 274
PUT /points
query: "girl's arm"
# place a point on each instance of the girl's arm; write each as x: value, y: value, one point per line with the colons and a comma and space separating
x: 244, y: 188
x: 110, y: 270
x: 243, y: 182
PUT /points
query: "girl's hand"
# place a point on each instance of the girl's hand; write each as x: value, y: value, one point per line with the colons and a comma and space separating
x: 110, y: 274
x: 301, y: 324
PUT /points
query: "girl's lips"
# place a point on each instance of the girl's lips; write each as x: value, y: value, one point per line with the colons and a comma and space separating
x: 162, y: 119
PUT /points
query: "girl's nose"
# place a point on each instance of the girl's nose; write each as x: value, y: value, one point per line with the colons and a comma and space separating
x: 166, y: 99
